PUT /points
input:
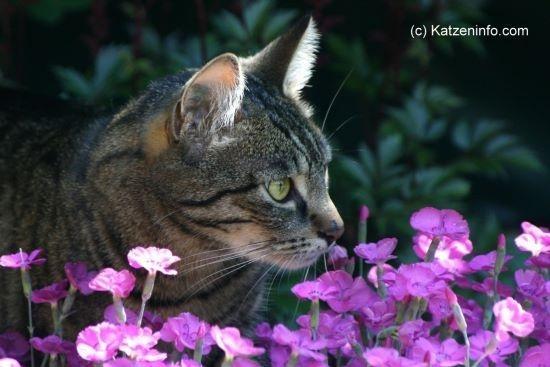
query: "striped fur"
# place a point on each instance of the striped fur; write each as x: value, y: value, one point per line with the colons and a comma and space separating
x: 90, y: 188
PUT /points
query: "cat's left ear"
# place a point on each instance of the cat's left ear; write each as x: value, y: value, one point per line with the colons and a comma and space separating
x: 210, y: 99
x: 287, y: 62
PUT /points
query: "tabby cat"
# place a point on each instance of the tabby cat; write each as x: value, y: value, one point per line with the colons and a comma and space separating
x: 224, y: 166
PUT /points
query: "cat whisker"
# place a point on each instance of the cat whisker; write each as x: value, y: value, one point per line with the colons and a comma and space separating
x: 234, y: 268
x: 341, y: 126
x: 223, y: 259
x: 334, y: 98
x: 255, y: 284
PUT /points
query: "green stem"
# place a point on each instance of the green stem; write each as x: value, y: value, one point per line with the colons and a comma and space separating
x: 146, y: 295
x: 430, y: 254
x: 314, y: 318
x: 292, y: 361
x: 197, y: 354
x: 467, y: 343
x: 55, y: 318
x: 227, y: 361
x: 27, y: 290
x: 382, y: 290
x: 119, y: 307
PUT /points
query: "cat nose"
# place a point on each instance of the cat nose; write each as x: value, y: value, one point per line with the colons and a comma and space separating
x: 330, y: 225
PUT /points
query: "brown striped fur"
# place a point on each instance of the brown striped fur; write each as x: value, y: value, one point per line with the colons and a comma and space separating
x: 165, y: 170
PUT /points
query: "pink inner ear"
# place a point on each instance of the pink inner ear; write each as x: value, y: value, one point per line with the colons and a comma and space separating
x: 222, y: 72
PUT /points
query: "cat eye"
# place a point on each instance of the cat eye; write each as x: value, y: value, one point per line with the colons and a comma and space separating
x: 279, y: 189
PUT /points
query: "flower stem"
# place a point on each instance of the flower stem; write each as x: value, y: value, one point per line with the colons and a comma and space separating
x: 382, y: 290
x: 362, y: 238
x: 197, y: 354
x: 314, y: 318
x: 27, y: 290
x: 119, y: 307
x: 146, y: 295
x: 227, y: 361
x: 65, y: 309
x: 430, y: 254
x: 55, y: 318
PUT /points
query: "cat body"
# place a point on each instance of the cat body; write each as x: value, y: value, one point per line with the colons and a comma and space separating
x: 198, y: 164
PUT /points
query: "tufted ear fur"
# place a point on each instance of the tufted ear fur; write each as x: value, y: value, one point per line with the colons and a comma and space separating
x: 210, y: 99
x: 287, y: 62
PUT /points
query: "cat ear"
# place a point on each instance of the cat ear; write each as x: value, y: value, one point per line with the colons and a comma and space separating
x: 287, y: 62
x: 211, y: 98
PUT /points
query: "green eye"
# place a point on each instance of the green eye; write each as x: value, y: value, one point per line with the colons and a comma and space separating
x: 279, y: 189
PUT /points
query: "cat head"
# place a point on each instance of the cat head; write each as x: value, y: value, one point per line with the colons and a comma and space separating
x: 238, y: 158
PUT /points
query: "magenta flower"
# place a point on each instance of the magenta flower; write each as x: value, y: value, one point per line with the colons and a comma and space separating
x: 52, y: 345
x: 351, y: 294
x: 13, y: 345
x: 388, y: 278
x: 119, y: 283
x: 510, y: 317
x: 9, y: 362
x: 449, y: 251
x: 379, y: 315
x: 98, y: 343
x: 300, y: 342
x: 153, y: 259
x: 485, y: 262
x: 542, y: 261
x: 503, y: 349
x: 448, y: 353
x: 338, y: 257
x: 22, y: 259
x: 536, y: 356
x: 377, y: 253
x: 487, y: 287
x: 138, y: 344
x: 185, y: 330
x: 191, y: 363
x: 314, y: 290
x: 337, y: 330
x: 388, y: 357
x: 229, y: 340
x: 79, y: 276
x: 531, y: 285
x: 244, y: 362
x: 110, y: 315
x: 533, y: 239
x: 126, y: 362
x: 50, y: 294
x: 410, y: 331
x: 438, y: 223
x: 418, y: 280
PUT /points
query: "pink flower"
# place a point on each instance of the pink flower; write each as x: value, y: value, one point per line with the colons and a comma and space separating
x: 481, y: 340
x: 79, y: 277
x: 153, y: 259
x: 530, y: 284
x: 300, y: 342
x: 351, y: 294
x: 533, y: 239
x: 412, y: 330
x: 379, y: 315
x: 536, y: 356
x: 98, y: 343
x: 388, y: 278
x: 542, y: 261
x: 52, y: 345
x: 485, y: 262
x: 13, y: 345
x: 314, y: 290
x: 377, y: 253
x: 138, y: 344
x: 50, y: 294
x: 445, y: 354
x: 510, y: 317
x: 191, y: 363
x: 338, y: 257
x: 449, y: 251
x: 388, y: 357
x: 337, y: 330
x: 487, y: 287
x: 185, y: 330
x: 230, y: 341
x: 119, y: 283
x: 418, y: 280
x: 125, y: 362
x: 110, y: 315
x: 438, y: 223
x: 22, y: 259
x: 9, y: 362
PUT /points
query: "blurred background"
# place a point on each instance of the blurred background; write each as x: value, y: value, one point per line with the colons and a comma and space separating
x: 457, y: 122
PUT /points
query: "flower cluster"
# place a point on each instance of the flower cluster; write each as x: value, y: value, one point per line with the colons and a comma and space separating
x: 448, y: 309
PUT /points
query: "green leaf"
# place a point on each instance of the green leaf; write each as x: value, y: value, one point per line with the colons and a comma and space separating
x: 74, y: 82
x: 51, y: 11
x: 255, y: 14
x: 461, y: 135
x: 277, y: 23
x: 389, y: 150
x: 230, y: 26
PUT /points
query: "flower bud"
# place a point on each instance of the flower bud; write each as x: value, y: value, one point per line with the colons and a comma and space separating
x: 363, y: 213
